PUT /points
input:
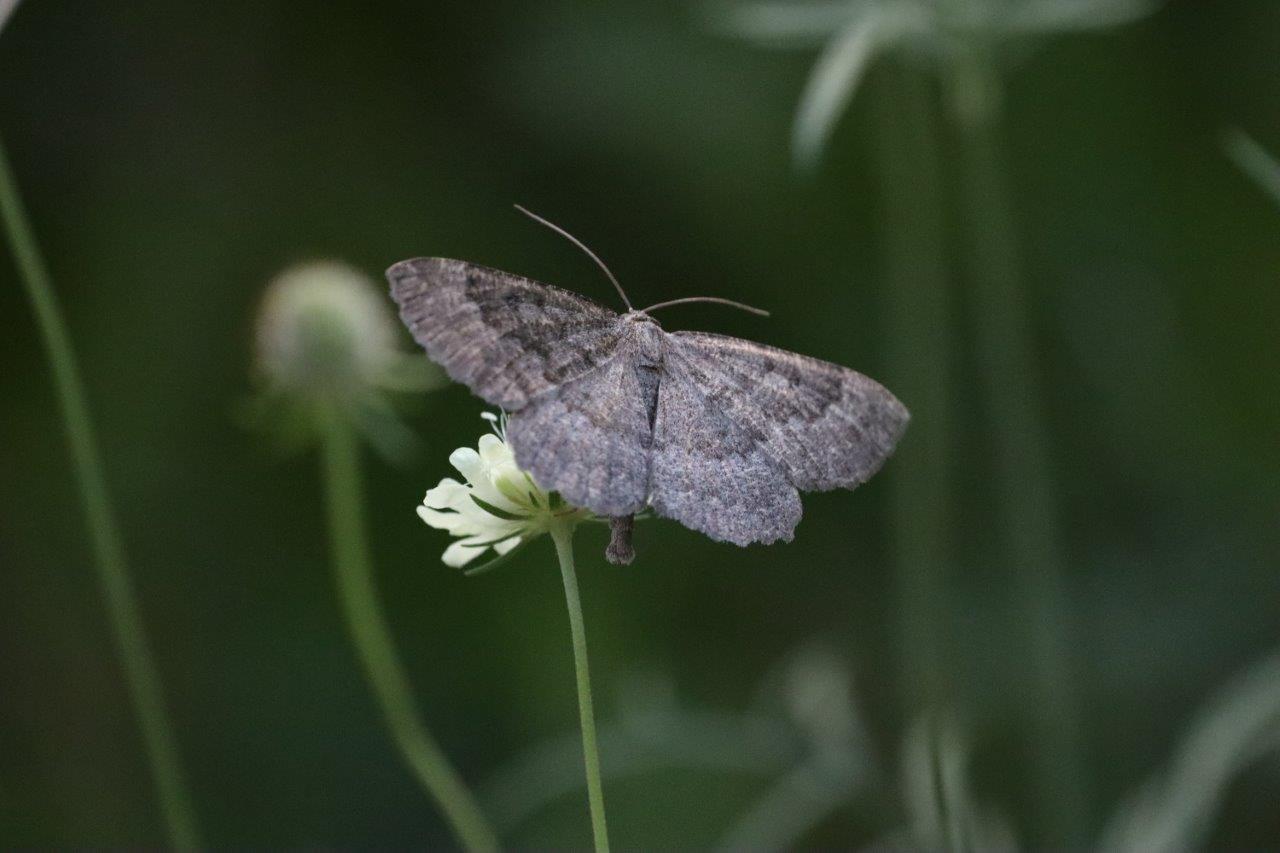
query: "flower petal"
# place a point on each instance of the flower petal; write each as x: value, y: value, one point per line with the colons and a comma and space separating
x: 487, y: 490
x: 468, y: 463
x: 459, y: 554
x: 504, y: 547
x: 494, y: 451
x: 450, y: 521
x: 450, y: 494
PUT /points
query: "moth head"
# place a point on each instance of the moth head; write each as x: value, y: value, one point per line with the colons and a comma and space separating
x: 635, y: 316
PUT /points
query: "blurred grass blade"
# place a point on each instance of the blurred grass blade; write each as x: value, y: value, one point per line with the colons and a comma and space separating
x: 1174, y: 811
x: 923, y: 796
x: 109, y: 556
x: 1048, y: 17
x: 1028, y: 501
x: 941, y: 811
x: 641, y: 743
x: 788, y: 811
x: 781, y: 24
x: 831, y: 86
x: 839, y: 765
x: 1253, y: 160
x: 919, y: 350
x: 6, y: 9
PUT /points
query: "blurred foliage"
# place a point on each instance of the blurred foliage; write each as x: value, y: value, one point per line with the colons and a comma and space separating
x: 176, y: 157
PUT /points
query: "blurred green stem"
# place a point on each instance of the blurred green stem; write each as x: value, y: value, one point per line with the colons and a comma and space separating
x: 353, y: 569
x: 1026, y: 496
x: 562, y: 535
x: 1252, y: 159
x: 104, y: 534
x: 918, y: 341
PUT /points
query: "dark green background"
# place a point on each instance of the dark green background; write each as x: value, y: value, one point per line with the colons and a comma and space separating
x: 175, y: 156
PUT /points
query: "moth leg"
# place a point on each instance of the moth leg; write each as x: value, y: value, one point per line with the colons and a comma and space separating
x: 620, y: 551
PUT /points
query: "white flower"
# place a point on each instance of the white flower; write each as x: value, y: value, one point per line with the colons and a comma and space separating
x: 499, y: 506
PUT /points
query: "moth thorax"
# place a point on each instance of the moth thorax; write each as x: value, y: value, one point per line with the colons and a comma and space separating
x: 648, y: 344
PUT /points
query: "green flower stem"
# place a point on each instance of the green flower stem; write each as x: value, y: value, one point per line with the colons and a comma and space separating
x: 353, y: 568
x: 1027, y: 501
x: 918, y: 341
x: 109, y: 558
x: 562, y: 535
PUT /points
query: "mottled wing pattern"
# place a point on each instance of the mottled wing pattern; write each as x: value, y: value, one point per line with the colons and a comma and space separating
x: 825, y: 425
x: 710, y: 473
x: 507, y: 338
x: 590, y: 440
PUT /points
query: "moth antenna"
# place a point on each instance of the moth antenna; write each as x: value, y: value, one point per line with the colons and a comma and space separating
x: 575, y: 241
x: 716, y: 299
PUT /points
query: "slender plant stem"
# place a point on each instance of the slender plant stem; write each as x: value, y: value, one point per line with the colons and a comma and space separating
x: 1027, y: 498
x: 562, y: 535
x: 104, y: 534
x: 918, y: 343
x: 353, y: 569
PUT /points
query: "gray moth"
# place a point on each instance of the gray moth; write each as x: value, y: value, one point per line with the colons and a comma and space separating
x: 619, y: 416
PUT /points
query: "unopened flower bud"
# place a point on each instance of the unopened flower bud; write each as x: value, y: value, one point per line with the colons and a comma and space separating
x: 323, y: 331
x: 326, y: 345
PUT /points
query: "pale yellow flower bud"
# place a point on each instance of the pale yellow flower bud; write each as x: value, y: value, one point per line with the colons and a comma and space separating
x: 324, y: 330
x: 327, y: 343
